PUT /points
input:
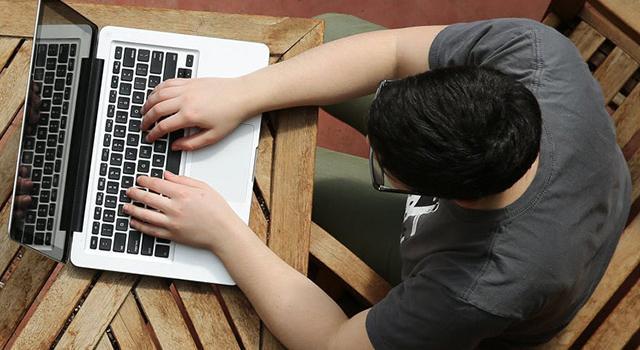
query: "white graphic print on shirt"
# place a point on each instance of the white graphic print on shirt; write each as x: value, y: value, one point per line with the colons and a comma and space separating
x: 415, y: 208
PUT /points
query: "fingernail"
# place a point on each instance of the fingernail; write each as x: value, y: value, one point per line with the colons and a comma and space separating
x: 125, y: 207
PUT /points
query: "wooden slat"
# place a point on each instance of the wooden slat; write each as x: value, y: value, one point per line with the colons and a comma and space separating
x: 13, y: 85
x: 7, y: 47
x: 620, y: 325
x: 129, y: 328
x: 9, y: 145
x: 244, y: 316
x: 264, y: 162
x: 279, y: 33
x: 292, y: 180
x: 97, y: 311
x: 586, y: 39
x: 625, y: 14
x: 8, y: 248
x: 104, y: 343
x: 347, y: 265
x: 624, y: 260
x: 54, y: 309
x: 20, y: 291
x: 257, y: 221
x: 552, y: 20
x: 614, y: 72
x: 634, y: 169
x: 610, y: 31
x: 207, y: 315
x: 627, y: 117
x: 163, y: 314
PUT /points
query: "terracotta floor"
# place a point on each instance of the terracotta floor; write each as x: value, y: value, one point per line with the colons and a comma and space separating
x: 332, y: 133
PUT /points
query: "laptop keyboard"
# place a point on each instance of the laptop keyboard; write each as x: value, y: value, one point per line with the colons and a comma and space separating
x: 43, y: 142
x: 125, y: 155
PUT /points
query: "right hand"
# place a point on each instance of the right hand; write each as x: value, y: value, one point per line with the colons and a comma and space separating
x: 214, y: 105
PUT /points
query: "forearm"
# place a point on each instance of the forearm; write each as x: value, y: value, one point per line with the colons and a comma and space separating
x: 342, y: 69
x: 296, y: 311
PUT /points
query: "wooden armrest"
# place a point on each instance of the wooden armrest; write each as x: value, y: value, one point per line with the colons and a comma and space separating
x: 347, y: 265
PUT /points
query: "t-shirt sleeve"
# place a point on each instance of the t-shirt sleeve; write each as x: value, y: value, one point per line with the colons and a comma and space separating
x: 527, y: 50
x: 420, y: 313
x: 538, y: 56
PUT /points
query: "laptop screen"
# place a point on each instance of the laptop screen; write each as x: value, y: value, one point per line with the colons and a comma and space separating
x: 62, y: 51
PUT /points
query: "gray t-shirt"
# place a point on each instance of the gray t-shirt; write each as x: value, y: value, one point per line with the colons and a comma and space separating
x: 514, y: 276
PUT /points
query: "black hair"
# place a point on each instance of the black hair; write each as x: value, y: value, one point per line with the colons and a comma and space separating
x: 456, y: 132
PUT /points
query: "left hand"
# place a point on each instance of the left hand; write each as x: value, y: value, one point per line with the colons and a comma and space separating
x: 190, y: 212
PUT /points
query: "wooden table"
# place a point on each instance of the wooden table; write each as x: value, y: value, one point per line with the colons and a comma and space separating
x: 43, y: 303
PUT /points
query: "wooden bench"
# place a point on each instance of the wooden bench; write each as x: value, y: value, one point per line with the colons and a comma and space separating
x: 607, y: 34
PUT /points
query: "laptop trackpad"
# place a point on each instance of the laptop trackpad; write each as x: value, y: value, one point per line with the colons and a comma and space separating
x: 227, y: 165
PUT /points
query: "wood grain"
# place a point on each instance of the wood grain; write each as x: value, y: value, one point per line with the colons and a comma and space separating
x: 604, y: 26
x: 347, y: 266
x: 9, y: 145
x: 97, y: 311
x: 624, y: 13
x: 257, y: 221
x: 279, y: 33
x: 614, y: 72
x: 264, y: 162
x: 13, y: 85
x: 104, y: 343
x: 129, y: 328
x: 21, y: 289
x: 620, y: 325
x: 586, y: 39
x: 634, y: 169
x: 163, y: 314
x: 8, y: 248
x: 627, y: 117
x: 7, y: 47
x: 207, y: 315
x: 54, y: 309
x: 624, y: 260
x: 244, y: 316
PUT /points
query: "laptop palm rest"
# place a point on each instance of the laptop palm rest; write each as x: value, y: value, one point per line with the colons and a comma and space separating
x: 224, y: 165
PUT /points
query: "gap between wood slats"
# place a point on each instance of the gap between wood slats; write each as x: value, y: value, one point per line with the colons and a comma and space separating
x: 609, y: 30
x: 608, y: 307
x: 185, y: 315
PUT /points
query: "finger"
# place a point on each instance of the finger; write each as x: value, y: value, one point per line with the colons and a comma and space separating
x: 164, y: 108
x: 23, y: 201
x: 147, y: 215
x: 196, y: 141
x: 151, y: 199
x: 183, y: 180
x: 24, y: 185
x: 164, y: 187
x: 150, y: 229
x: 167, y: 125
x: 155, y: 95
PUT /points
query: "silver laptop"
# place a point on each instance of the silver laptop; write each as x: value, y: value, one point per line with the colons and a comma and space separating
x: 81, y: 144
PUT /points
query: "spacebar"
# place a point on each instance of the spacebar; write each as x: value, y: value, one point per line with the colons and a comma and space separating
x: 173, y: 157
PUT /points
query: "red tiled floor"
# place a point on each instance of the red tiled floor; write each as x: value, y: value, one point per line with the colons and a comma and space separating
x: 332, y: 133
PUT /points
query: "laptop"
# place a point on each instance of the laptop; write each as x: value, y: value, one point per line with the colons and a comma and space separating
x: 81, y: 145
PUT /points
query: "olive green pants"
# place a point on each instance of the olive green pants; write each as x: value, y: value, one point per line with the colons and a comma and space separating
x: 345, y: 204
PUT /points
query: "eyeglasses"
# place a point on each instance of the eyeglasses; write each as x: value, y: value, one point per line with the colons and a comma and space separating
x: 377, y: 172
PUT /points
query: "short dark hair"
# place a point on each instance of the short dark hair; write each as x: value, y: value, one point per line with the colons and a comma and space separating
x: 456, y: 132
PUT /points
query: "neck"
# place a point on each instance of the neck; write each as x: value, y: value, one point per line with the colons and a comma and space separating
x: 503, y: 199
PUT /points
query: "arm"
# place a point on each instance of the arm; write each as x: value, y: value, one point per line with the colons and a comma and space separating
x: 330, y: 73
x: 296, y: 311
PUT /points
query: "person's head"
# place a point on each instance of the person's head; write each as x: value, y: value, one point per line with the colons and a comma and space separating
x: 457, y: 132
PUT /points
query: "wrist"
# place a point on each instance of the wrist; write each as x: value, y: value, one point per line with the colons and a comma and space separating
x: 236, y: 235
x: 258, y: 96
